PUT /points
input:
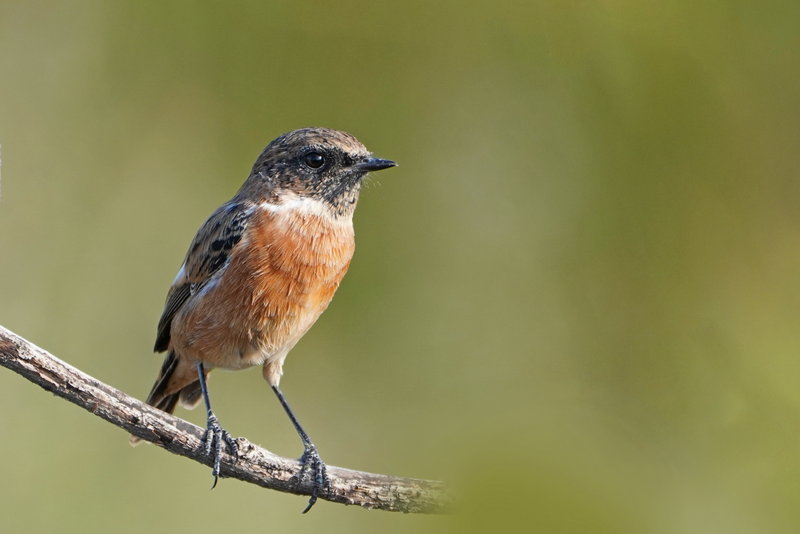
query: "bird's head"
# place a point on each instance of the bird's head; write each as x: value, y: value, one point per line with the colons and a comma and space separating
x: 315, y: 164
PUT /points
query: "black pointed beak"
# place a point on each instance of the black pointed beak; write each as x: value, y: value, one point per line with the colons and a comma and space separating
x: 373, y: 164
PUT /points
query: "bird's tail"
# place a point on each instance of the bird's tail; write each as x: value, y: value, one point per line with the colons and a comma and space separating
x: 189, y: 395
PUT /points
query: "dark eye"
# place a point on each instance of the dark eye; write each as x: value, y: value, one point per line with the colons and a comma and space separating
x: 314, y: 160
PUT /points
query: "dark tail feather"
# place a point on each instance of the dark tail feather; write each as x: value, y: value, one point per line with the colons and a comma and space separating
x: 157, y: 397
x: 189, y: 395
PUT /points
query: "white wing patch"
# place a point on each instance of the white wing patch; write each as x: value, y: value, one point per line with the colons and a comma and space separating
x: 180, y: 276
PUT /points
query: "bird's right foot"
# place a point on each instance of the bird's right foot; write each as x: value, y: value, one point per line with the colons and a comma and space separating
x: 312, y: 462
x: 214, y: 438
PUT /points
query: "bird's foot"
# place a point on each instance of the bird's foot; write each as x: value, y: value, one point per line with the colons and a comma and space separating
x: 310, y: 461
x: 214, y: 438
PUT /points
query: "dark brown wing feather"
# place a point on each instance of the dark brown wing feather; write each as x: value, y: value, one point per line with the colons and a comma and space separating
x: 175, y: 299
x: 207, y: 256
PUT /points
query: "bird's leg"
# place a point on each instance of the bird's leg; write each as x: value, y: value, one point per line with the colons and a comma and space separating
x: 310, y: 458
x: 215, y: 435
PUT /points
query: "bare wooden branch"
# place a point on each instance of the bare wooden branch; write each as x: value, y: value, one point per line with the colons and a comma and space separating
x: 255, y: 464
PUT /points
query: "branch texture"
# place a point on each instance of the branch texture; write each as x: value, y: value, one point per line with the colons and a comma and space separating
x: 255, y: 464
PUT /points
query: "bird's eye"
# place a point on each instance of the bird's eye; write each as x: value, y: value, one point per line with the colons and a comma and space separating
x: 314, y: 160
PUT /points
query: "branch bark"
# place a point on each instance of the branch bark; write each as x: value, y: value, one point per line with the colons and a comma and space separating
x: 255, y: 464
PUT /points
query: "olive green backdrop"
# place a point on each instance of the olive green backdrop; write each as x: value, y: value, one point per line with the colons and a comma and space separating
x: 577, y: 299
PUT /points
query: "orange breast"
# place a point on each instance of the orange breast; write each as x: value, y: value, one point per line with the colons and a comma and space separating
x: 279, y: 280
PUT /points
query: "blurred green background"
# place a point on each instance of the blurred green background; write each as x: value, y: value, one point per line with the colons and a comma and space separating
x: 577, y: 299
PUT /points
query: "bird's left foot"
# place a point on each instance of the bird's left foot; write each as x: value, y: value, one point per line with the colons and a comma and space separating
x: 312, y: 462
x: 214, y: 439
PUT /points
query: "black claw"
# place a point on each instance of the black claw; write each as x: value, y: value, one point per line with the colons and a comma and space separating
x: 214, y: 439
x: 311, y: 461
x: 310, y: 458
x: 231, y: 441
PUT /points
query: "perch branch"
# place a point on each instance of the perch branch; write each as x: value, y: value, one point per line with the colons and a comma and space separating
x: 255, y: 464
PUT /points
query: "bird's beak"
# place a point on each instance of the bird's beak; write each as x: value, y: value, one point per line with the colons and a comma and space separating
x: 373, y: 164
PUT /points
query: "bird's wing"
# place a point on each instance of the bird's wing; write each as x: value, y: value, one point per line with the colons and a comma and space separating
x: 207, y: 257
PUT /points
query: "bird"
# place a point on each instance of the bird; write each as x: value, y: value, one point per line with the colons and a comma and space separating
x: 258, y: 274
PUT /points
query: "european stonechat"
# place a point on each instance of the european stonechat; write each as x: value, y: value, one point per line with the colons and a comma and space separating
x: 258, y: 274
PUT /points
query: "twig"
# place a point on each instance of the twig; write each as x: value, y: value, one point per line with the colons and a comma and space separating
x: 255, y: 464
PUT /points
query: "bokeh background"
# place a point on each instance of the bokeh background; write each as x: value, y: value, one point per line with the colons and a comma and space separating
x: 577, y: 299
